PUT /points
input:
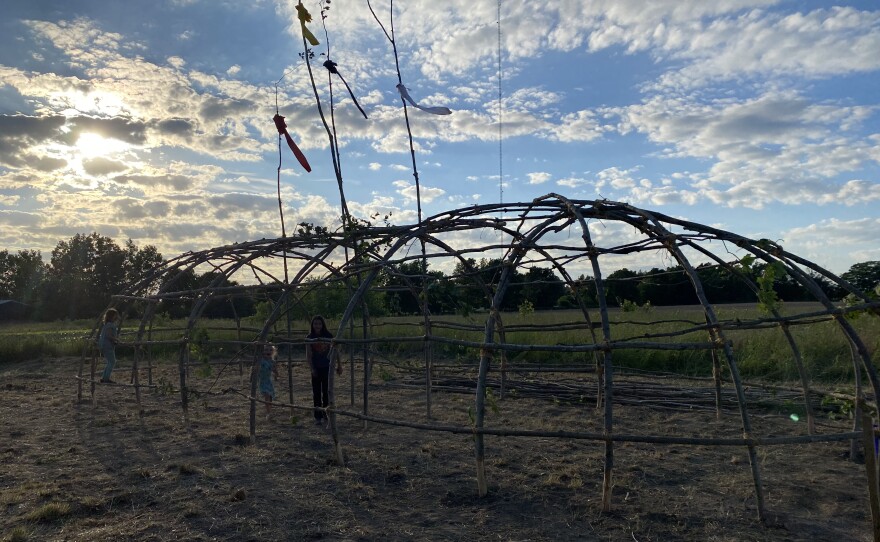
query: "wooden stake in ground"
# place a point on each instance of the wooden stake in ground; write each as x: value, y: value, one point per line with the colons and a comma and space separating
x: 868, y: 440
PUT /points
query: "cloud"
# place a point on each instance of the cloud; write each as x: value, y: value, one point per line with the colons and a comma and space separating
x: 579, y: 126
x: 539, y: 177
x: 408, y: 191
x: 103, y: 166
x: 175, y: 182
x: 775, y: 147
x: 176, y: 62
x: 572, y: 182
x: 863, y: 230
x: 20, y: 219
x: 18, y: 133
x: 819, y: 43
x: 831, y: 241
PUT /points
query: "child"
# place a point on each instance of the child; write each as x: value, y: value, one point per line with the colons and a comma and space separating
x: 267, y: 369
x: 318, y: 360
x: 107, y: 341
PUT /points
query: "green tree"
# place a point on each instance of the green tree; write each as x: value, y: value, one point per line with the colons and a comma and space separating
x: 864, y: 276
x: 83, y: 273
x: 21, y: 275
x: 622, y: 285
x: 140, y: 261
x: 184, y: 280
x: 224, y: 306
x: 669, y: 286
x: 542, y: 288
x: 401, y: 283
x: 469, y: 295
x: 86, y: 271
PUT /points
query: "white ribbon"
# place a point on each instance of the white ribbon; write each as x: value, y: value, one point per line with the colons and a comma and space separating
x: 434, y: 110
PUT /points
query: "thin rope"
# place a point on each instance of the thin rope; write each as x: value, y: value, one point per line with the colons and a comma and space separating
x: 500, y: 135
x: 280, y: 205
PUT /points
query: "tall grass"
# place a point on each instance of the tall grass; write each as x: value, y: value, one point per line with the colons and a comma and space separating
x: 759, y: 353
x: 24, y: 341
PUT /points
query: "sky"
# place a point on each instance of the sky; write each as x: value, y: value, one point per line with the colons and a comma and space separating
x: 152, y: 121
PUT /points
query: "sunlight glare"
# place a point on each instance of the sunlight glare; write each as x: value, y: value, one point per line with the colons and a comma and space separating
x: 92, y: 145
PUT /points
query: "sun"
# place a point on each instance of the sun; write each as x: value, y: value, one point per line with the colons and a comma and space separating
x: 91, y: 145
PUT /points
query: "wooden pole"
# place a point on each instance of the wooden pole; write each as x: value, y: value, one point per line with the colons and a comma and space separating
x: 94, y: 363
x: 135, y: 378
x: 868, y: 440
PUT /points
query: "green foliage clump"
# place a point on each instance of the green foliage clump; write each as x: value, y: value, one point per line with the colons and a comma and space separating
x: 18, y: 534
x: 49, y: 513
x: 768, y: 299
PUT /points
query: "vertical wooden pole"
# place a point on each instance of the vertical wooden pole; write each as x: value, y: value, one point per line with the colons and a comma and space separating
x: 480, y: 402
x: 871, y: 468
x: 255, y: 368
x: 181, y: 368
x: 716, y: 377
x: 136, y: 381
x: 92, y: 379
x: 331, y: 406
x: 79, y: 386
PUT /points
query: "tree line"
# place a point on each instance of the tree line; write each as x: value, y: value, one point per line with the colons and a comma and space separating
x: 85, y: 271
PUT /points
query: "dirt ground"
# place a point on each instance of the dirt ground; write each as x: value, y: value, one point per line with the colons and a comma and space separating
x: 71, y: 471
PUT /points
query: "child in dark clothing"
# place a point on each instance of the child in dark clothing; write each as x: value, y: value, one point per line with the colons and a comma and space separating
x: 317, y: 357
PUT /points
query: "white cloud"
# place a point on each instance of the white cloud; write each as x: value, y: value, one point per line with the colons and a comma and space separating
x: 776, y: 147
x: 572, y: 182
x: 833, y: 242
x: 539, y: 177
x: 408, y: 191
x: 819, y: 43
x: 579, y: 126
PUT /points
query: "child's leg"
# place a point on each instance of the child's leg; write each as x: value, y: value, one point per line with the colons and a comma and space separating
x: 110, y: 356
x: 325, y: 388
x: 316, y: 396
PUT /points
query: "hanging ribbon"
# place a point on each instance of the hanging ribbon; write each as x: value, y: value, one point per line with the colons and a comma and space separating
x: 282, y: 130
x: 331, y: 66
x: 306, y: 17
x: 434, y: 110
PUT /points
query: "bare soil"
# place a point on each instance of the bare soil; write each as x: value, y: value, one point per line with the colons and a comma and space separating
x: 73, y: 471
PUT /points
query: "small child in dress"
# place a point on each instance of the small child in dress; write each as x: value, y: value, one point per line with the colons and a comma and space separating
x: 267, y: 369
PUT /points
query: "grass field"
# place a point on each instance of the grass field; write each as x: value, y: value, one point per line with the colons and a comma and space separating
x: 760, y: 353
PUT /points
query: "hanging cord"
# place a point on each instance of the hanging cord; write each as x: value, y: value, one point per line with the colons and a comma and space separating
x: 335, y: 146
x: 424, y: 262
x: 500, y: 112
x: 280, y: 204
x: 346, y: 219
x: 500, y: 134
x: 412, y: 150
x: 305, y: 17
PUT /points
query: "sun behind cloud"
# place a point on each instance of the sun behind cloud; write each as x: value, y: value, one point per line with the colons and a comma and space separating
x: 90, y: 145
